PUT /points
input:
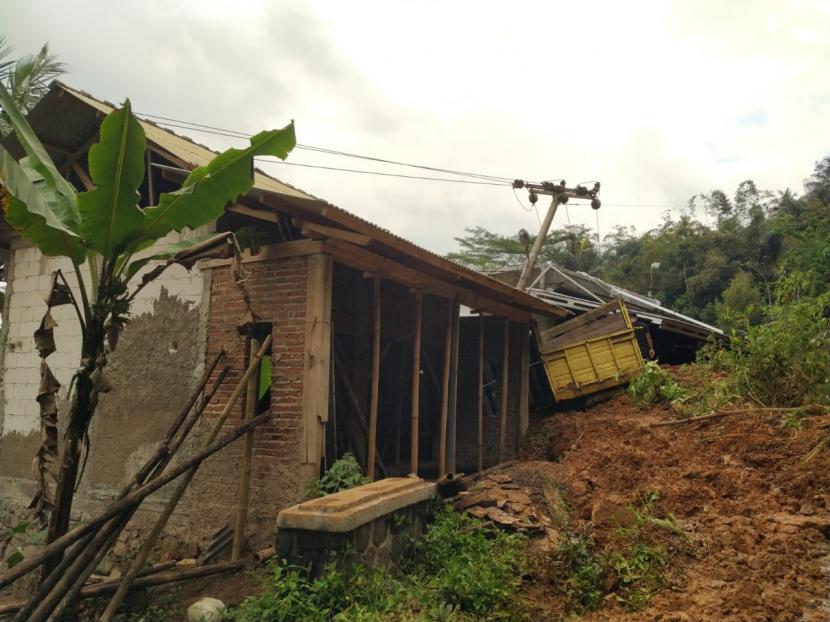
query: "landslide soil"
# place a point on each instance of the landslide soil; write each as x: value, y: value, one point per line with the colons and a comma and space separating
x: 759, y: 517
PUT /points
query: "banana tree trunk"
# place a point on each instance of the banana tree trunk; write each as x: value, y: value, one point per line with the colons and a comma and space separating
x: 87, y: 384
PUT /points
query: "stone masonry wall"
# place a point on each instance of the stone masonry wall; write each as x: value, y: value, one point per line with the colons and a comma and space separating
x: 381, y: 542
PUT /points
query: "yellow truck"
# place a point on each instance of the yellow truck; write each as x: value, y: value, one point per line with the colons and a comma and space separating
x: 594, y: 351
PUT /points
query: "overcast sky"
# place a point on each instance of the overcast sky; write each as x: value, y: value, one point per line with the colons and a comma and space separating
x: 658, y: 100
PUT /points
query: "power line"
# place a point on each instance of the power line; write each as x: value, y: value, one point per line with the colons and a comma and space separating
x: 210, y: 129
x: 351, y: 170
x: 480, y: 178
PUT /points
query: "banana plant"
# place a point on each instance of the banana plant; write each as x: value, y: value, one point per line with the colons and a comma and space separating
x: 107, y: 236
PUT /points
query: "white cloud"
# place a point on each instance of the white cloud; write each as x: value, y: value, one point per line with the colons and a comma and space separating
x: 651, y: 98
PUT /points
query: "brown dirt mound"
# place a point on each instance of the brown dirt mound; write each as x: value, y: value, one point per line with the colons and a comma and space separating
x: 759, y: 516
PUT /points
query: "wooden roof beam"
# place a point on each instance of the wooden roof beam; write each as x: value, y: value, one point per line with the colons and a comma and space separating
x: 366, y: 261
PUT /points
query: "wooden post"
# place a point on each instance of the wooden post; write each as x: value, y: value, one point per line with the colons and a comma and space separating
x: 445, y: 391
x: 524, y: 386
x: 480, y: 393
x: 316, y: 371
x: 373, y: 400
x: 452, y: 409
x: 505, y: 362
x: 247, y: 456
x: 416, y: 382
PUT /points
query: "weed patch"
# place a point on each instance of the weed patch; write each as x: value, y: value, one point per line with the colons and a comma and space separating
x: 634, y: 566
x: 460, y: 570
x: 654, y: 386
x: 343, y: 474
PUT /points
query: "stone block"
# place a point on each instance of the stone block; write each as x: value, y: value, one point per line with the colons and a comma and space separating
x: 380, y: 530
x: 348, y: 509
x: 362, y: 537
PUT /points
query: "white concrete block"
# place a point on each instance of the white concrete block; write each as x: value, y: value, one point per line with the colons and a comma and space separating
x: 22, y: 424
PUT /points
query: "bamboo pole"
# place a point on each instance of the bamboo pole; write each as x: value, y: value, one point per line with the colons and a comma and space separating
x: 373, y: 400
x: 505, y: 362
x: 155, y: 532
x: 416, y: 383
x: 157, y: 576
x: 524, y: 387
x: 247, y: 456
x: 480, y: 393
x: 445, y: 391
x: 452, y: 409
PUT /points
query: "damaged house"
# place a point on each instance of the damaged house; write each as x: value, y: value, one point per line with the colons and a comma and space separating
x: 449, y: 392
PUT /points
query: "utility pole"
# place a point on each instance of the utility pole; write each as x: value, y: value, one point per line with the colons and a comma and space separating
x: 559, y: 194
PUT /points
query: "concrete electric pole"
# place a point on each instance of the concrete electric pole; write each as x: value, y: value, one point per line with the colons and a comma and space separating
x: 559, y: 194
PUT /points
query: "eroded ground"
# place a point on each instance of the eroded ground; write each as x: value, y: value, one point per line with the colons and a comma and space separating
x: 757, y: 516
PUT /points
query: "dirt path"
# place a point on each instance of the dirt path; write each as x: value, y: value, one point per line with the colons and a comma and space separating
x: 760, y: 518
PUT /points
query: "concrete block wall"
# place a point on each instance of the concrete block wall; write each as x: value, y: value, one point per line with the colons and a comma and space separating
x: 159, y: 357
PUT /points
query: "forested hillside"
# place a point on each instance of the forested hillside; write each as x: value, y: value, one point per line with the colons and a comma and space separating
x: 724, y: 254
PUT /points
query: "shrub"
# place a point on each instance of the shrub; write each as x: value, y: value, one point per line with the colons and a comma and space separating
x: 655, y: 385
x: 634, y: 565
x: 782, y: 362
x: 345, y: 473
x: 581, y: 572
x: 460, y: 570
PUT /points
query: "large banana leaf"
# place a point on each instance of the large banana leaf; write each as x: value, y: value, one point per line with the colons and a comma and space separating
x: 50, y: 241
x: 36, y: 152
x: 110, y: 216
x: 206, y: 191
x: 43, y: 216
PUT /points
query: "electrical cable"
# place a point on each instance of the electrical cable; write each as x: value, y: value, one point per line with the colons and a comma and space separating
x: 351, y: 170
x: 482, y: 179
x: 210, y: 129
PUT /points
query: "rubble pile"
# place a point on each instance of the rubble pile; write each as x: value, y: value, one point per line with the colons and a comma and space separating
x: 496, y: 497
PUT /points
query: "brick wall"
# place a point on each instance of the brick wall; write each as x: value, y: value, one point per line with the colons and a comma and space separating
x: 277, y: 291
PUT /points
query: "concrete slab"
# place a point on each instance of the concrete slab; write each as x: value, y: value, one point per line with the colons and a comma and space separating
x: 349, y: 509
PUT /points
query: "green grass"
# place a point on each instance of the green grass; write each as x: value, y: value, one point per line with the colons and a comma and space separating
x: 460, y: 570
x: 634, y: 567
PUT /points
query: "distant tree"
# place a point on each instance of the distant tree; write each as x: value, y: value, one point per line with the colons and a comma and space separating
x: 572, y: 247
x: 817, y: 186
x: 26, y: 79
x: 741, y: 297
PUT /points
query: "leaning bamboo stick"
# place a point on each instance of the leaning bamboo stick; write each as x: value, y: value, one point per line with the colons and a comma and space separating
x: 155, y: 532
x: 146, y: 580
x: 136, y: 496
x: 247, y: 458
x: 85, y: 551
x: 738, y: 411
